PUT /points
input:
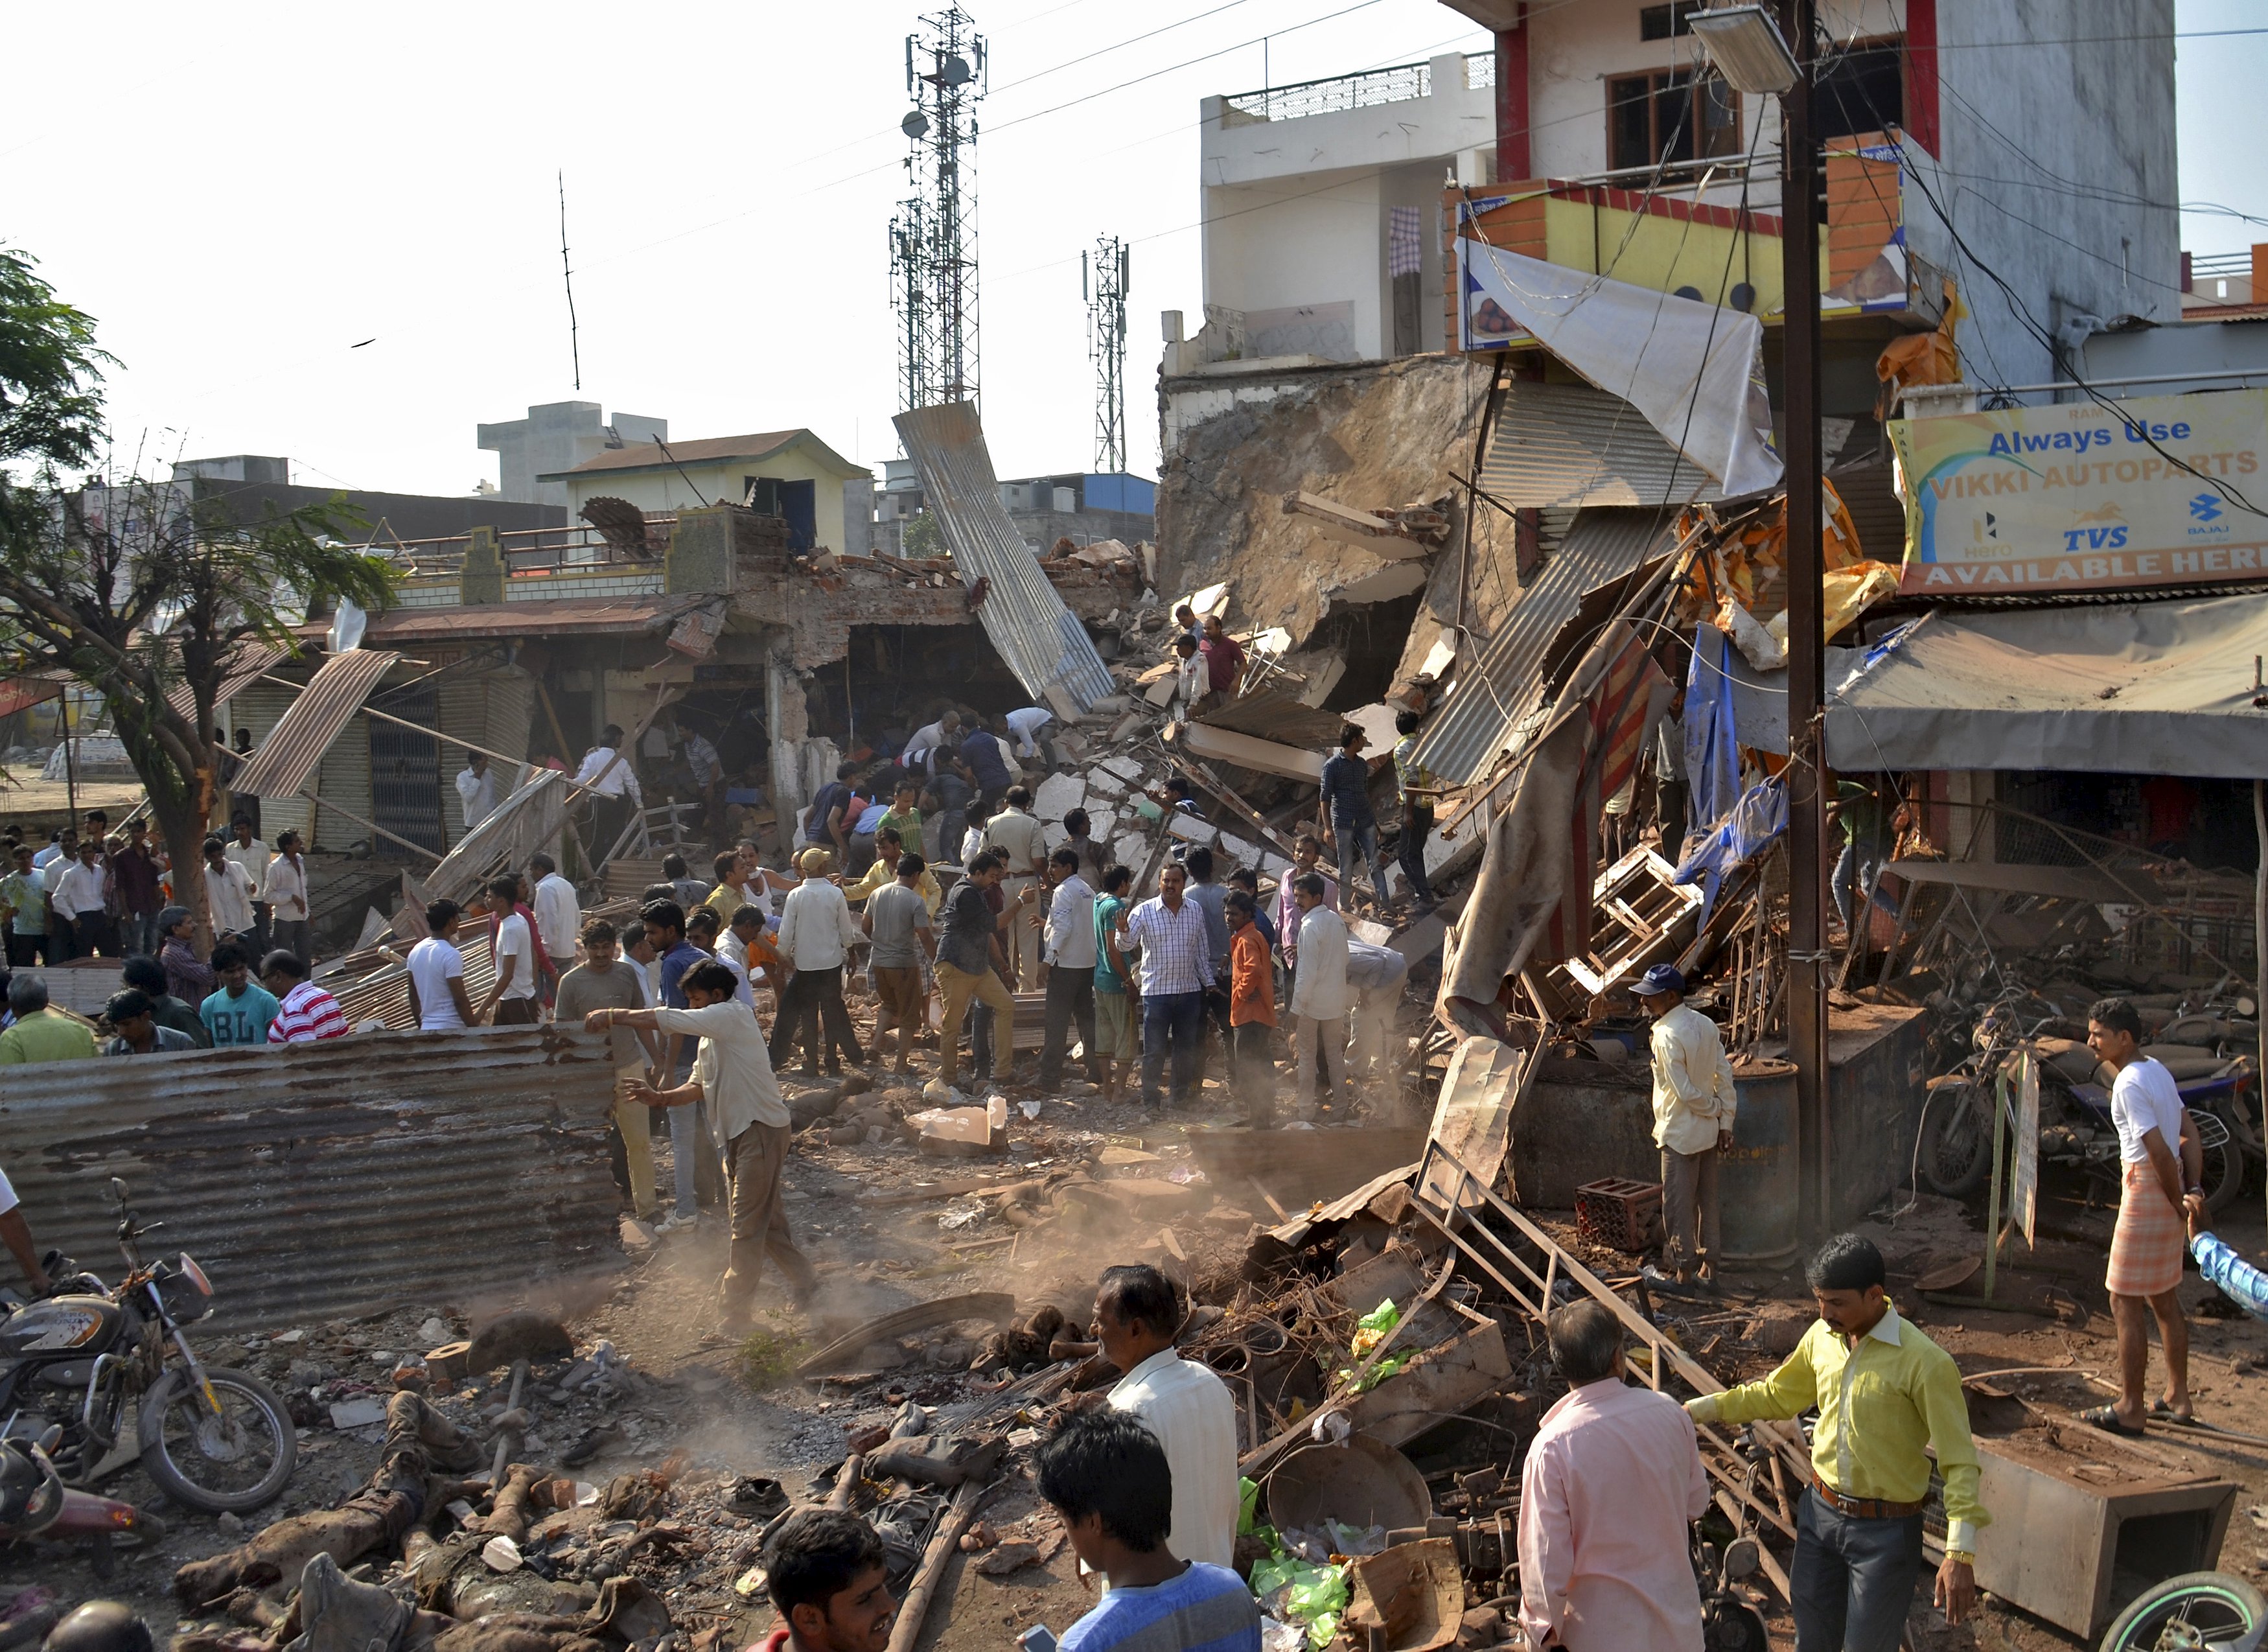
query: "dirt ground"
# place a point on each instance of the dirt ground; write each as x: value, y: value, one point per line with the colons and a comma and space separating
x: 884, y: 1235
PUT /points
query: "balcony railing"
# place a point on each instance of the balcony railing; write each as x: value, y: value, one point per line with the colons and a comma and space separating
x: 1367, y: 90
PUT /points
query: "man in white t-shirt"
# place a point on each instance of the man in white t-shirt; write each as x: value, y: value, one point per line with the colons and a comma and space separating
x: 558, y: 913
x: 2161, y: 1190
x: 512, y: 1000
x: 1183, y: 1404
x: 437, y: 973
x: 1025, y: 725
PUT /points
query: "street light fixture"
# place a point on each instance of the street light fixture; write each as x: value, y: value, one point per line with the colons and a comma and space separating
x: 1747, y: 47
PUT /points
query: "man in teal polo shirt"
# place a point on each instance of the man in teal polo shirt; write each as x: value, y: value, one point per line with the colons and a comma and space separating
x: 240, y: 1011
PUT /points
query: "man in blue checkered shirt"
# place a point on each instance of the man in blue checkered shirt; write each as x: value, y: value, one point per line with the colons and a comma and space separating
x: 1177, y: 966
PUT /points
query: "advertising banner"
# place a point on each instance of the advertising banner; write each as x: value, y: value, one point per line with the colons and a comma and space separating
x: 2079, y: 496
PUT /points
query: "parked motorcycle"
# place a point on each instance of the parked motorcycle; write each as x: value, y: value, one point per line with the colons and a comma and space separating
x: 1955, y: 1153
x: 213, y: 1439
x: 36, y: 1505
x: 2198, y: 1612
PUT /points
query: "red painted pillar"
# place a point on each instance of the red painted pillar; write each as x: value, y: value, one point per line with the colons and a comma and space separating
x: 1512, y: 101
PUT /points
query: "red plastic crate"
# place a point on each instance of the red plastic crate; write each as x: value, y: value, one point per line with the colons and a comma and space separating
x: 1621, y: 1213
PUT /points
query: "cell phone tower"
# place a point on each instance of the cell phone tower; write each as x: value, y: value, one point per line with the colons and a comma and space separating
x: 933, y: 232
x: 1102, y: 278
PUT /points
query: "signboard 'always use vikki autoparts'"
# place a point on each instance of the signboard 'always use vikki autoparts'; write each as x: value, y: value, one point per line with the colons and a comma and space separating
x: 2080, y: 496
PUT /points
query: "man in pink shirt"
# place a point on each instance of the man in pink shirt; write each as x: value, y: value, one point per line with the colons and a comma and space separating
x: 1612, y: 1480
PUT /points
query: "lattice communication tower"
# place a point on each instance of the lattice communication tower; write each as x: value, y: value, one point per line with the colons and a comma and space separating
x: 1102, y: 278
x: 933, y: 231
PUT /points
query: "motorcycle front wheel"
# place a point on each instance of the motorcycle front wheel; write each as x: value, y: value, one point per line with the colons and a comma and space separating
x: 2198, y: 1612
x: 228, y: 1461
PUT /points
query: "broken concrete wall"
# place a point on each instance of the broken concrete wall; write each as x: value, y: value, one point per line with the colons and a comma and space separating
x: 1369, y: 435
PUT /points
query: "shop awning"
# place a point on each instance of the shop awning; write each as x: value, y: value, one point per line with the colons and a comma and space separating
x: 2144, y: 688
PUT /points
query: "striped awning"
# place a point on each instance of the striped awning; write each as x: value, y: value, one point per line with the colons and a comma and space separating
x: 282, y: 762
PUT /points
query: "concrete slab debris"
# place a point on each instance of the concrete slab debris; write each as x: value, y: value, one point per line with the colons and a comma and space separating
x: 1058, y: 795
x: 1267, y: 756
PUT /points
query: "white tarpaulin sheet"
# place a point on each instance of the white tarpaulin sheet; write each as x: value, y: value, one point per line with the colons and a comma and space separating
x: 1693, y: 370
x: 2147, y: 687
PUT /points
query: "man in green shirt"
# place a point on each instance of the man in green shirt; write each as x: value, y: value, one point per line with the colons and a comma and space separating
x: 41, y: 1034
x: 239, y: 1012
x: 1887, y: 1397
x: 904, y: 817
x: 24, y: 896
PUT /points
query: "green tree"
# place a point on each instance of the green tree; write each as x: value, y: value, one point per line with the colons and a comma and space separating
x: 139, y: 588
x: 924, y: 536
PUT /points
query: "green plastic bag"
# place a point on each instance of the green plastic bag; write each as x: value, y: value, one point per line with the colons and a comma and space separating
x: 1248, y: 1504
x: 1313, y: 1595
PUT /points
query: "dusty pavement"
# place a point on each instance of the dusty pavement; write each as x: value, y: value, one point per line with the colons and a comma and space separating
x: 879, y: 1220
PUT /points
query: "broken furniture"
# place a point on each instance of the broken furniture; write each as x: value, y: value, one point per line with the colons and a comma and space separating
x: 1640, y: 916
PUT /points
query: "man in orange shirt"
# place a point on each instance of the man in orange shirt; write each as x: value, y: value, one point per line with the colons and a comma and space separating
x: 1251, y: 1012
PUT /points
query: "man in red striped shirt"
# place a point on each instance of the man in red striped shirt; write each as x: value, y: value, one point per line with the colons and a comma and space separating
x: 308, y: 1014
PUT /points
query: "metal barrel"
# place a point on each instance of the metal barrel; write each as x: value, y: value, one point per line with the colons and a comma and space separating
x: 1759, y: 1183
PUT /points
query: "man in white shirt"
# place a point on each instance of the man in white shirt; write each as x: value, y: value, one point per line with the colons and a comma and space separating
x: 1307, y: 856
x: 76, y: 898
x: 1377, y: 976
x: 1069, y: 946
x: 732, y: 1074
x: 228, y: 896
x: 1183, y: 1404
x: 1320, y: 998
x: 816, y: 934
x: 2161, y: 1176
x: 512, y: 1000
x: 287, y: 897
x: 247, y: 850
x: 1694, y: 1102
x: 613, y: 788
x: 943, y: 735
x: 437, y: 973
x: 1022, y: 842
x: 1025, y: 725
x: 558, y: 914
x: 476, y: 788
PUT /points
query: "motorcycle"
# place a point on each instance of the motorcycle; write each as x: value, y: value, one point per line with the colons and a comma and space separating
x: 213, y: 1439
x: 2198, y: 1612
x: 1955, y: 1152
x: 36, y: 1505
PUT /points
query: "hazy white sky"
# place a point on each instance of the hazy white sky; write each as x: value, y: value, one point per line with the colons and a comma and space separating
x: 241, y: 195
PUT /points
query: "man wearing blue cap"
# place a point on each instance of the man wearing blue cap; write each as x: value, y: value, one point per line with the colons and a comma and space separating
x: 1693, y: 1105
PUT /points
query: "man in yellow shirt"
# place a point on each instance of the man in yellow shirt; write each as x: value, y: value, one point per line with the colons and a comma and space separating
x: 889, y: 849
x: 1884, y: 1392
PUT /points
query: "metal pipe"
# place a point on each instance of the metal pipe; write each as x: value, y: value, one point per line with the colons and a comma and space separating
x: 1807, y: 822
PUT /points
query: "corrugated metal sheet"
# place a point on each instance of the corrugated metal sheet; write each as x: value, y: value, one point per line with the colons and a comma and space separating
x: 465, y: 714
x: 282, y: 762
x: 523, y: 822
x: 251, y: 659
x: 383, y: 994
x: 1555, y: 444
x: 1494, y: 692
x: 317, y: 1179
x: 1040, y: 637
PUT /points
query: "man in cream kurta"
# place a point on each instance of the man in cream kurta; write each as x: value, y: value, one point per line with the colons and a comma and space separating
x: 1694, y: 1101
x: 1180, y: 1402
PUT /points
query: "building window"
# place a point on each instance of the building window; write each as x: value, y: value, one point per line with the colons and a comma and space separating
x: 1860, y: 91
x: 1669, y: 116
x: 1667, y: 22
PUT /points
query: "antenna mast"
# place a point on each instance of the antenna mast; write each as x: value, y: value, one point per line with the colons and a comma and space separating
x: 574, y: 341
x: 933, y: 232
x: 1102, y: 282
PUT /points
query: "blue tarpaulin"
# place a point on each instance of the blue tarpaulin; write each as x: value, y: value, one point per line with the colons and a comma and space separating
x: 1722, y: 849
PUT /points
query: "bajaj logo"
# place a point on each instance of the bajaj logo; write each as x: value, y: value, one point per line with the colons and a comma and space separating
x: 2205, y: 507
